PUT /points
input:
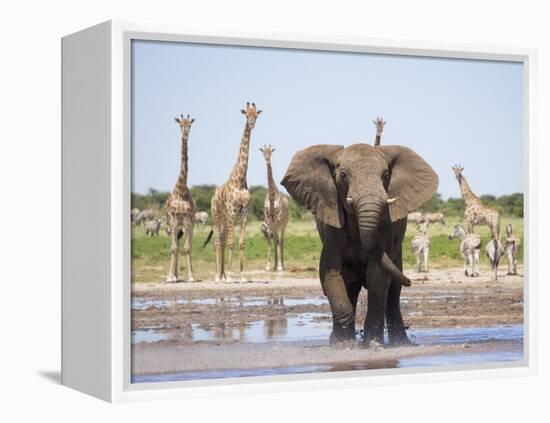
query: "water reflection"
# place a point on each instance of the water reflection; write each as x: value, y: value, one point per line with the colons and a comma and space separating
x: 231, y: 301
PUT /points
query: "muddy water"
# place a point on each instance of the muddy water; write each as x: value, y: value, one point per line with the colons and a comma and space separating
x: 303, y: 322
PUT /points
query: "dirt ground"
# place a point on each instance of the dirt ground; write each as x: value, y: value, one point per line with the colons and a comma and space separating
x: 175, y: 312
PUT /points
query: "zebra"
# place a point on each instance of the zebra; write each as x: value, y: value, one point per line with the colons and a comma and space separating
x: 470, y: 245
x: 494, y: 250
x: 511, y: 249
x: 201, y: 218
x: 420, y: 246
x: 152, y: 227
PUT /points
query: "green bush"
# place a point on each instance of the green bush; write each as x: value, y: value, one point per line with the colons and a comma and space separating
x: 509, y: 205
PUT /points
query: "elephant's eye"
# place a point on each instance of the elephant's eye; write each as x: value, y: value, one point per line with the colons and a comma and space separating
x: 343, y: 175
x: 386, y: 175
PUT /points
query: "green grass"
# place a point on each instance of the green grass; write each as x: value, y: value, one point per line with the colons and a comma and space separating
x: 151, y: 255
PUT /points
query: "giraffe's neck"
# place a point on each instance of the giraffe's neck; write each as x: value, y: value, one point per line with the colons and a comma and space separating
x: 182, y: 178
x: 469, y: 197
x: 377, y: 140
x: 271, y: 187
x: 238, y: 175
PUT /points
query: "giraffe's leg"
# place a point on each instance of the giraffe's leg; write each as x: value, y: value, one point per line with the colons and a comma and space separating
x: 229, y: 231
x: 275, y: 247
x: 268, y: 265
x: 218, y: 235
x: 187, y: 250
x: 174, y: 252
x: 279, y: 251
x: 282, y: 242
x: 242, y: 236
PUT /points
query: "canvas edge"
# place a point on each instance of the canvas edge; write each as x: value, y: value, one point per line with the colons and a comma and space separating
x: 85, y: 205
x: 121, y: 389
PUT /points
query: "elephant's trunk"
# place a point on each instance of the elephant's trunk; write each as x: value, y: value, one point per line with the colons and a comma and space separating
x: 369, y: 210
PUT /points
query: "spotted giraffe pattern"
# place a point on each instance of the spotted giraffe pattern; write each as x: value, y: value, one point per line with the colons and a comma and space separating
x: 476, y: 213
x: 231, y: 201
x: 275, y: 215
x: 180, y: 209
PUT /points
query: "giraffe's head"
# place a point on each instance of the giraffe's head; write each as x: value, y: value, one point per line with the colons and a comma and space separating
x: 379, y: 123
x: 457, y: 169
x: 251, y: 114
x: 267, y: 150
x: 184, y: 123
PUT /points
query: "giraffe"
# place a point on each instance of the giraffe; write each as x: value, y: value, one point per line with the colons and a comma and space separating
x: 180, y: 209
x: 379, y: 123
x: 475, y: 212
x: 275, y: 214
x: 230, y: 201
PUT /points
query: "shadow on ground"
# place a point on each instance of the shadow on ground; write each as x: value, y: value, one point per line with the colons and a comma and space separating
x: 53, y: 376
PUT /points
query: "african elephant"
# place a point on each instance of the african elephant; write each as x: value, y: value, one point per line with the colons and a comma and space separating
x: 360, y: 196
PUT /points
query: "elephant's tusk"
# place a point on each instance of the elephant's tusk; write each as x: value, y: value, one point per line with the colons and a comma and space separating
x: 349, y: 200
x: 392, y: 200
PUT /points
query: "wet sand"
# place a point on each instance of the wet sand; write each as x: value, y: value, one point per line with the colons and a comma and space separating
x: 278, y: 321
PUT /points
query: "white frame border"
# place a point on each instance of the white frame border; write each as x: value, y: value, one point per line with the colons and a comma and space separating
x: 120, y: 286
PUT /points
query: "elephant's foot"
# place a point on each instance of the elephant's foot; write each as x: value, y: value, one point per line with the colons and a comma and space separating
x: 400, y: 341
x: 397, y: 335
x: 171, y: 278
x: 338, y: 339
x: 371, y: 335
x: 342, y: 334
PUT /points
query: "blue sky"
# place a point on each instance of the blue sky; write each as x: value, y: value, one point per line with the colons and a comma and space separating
x: 449, y: 111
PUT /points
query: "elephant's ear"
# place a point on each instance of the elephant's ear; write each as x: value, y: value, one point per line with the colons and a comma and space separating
x: 413, y: 181
x: 309, y: 180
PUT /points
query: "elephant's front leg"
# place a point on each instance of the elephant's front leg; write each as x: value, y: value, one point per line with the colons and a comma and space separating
x: 378, y: 284
x: 394, y: 319
x: 334, y: 287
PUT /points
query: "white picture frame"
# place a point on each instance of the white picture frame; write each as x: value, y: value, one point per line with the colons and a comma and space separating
x: 96, y: 189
